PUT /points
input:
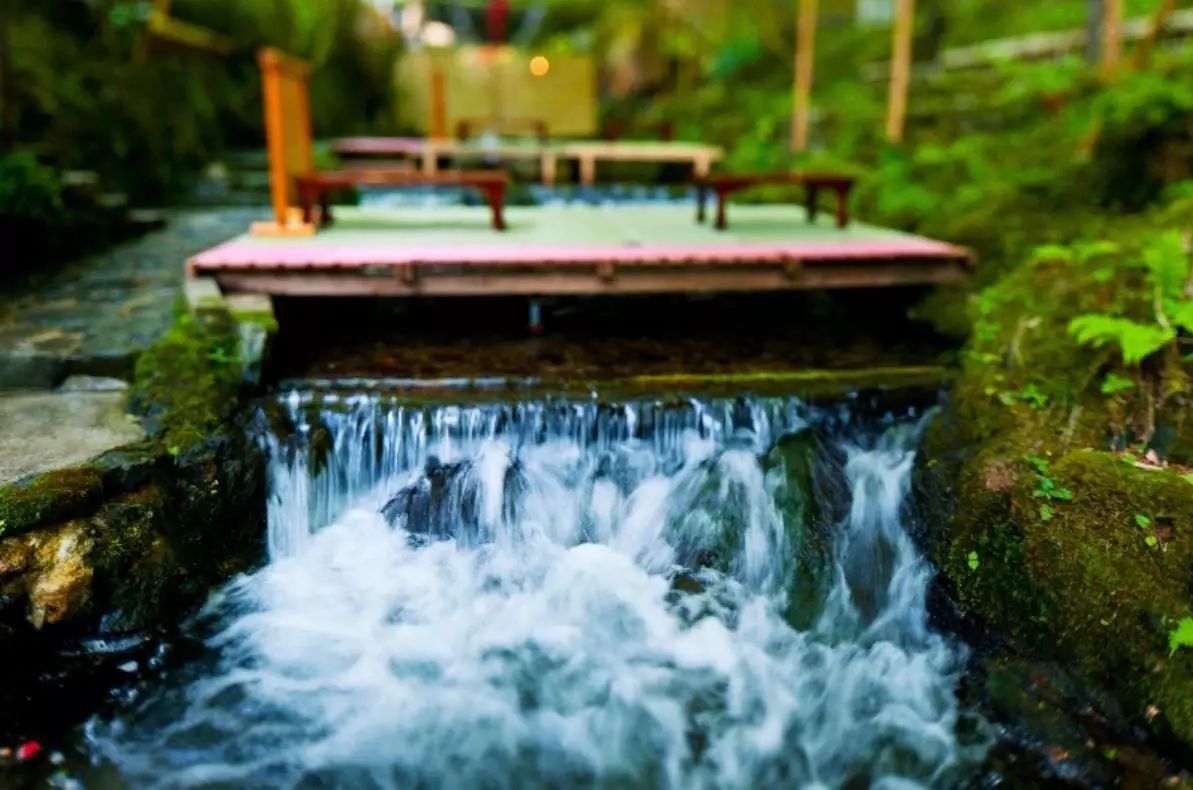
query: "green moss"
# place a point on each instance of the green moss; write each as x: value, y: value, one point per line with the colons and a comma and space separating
x: 264, y: 319
x: 1114, y: 594
x: 188, y: 382
x: 1078, y: 581
x: 48, y: 498
x: 137, y: 577
x: 1084, y: 585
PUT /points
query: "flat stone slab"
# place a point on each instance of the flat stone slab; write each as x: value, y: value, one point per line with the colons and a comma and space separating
x: 44, y: 431
x: 95, y: 314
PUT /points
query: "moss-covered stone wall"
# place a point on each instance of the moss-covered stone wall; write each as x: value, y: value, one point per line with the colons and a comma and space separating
x: 133, y: 537
x: 1062, y: 517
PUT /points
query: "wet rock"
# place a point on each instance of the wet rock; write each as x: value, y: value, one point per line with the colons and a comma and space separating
x: 48, y: 498
x: 84, y: 383
x: 62, y: 585
x: 446, y: 502
x: 49, y: 568
x: 128, y: 468
x: 806, y: 471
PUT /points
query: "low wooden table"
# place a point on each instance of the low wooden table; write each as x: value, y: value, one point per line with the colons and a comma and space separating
x: 588, y: 153
x: 315, y: 187
x: 427, y: 152
x: 726, y: 184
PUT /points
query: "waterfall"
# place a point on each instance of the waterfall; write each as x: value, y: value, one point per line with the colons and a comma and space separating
x: 713, y: 593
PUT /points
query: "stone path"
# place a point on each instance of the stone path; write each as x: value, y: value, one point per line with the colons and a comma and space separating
x: 92, y: 316
x: 60, y: 429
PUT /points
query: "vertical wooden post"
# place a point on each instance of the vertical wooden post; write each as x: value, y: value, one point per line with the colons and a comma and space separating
x: 900, y: 70
x: 1093, y: 32
x: 1112, y: 36
x: 271, y: 89
x: 438, y: 123
x: 805, y: 52
x: 1160, y: 19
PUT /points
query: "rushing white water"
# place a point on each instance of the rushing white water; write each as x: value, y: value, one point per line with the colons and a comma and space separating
x: 561, y: 594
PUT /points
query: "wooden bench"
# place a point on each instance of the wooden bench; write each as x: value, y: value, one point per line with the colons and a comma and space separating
x: 314, y: 188
x: 726, y: 184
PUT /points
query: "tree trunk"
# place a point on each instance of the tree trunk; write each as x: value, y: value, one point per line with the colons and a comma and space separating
x: 1093, y: 31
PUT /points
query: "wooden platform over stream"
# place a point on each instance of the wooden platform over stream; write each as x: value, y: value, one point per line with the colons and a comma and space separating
x: 570, y: 249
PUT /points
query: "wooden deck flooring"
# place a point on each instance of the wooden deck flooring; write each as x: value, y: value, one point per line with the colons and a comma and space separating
x: 576, y: 250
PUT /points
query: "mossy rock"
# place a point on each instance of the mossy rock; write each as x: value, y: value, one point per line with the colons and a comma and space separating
x: 1079, y: 583
x: 188, y: 383
x: 48, y: 498
x: 1116, y: 588
x: 805, y: 470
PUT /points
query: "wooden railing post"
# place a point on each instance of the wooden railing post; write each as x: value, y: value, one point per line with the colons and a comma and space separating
x: 805, y: 50
x: 438, y: 121
x: 285, y: 96
x: 275, y: 124
x: 1160, y: 17
x: 1112, y: 36
x: 900, y: 70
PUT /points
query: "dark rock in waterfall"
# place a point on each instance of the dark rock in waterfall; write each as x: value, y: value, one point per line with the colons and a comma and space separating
x: 448, y: 502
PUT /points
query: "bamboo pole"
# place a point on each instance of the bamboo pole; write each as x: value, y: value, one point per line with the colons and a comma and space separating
x: 1112, y: 36
x: 900, y: 70
x: 1160, y: 17
x: 805, y: 53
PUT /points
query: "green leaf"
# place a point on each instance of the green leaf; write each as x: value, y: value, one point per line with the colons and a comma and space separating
x: 1143, y: 521
x: 972, y: 561
x: 1168, y: 264
x: 1046, y: 513
x: 1033, y: 396
x: 1136, y: 341
x: 1038, y: 463
x: 1151, y: 541
x: 1093, y: 250
x: 1181, y: 636
x: 1182, y: 315
x: 1114, y: 384
x: 1051, y: 252
x: 1062, y: 494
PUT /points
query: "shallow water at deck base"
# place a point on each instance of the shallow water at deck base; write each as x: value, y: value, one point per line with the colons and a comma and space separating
x: 560, y: 594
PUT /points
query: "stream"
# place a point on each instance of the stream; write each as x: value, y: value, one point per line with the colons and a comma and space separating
x: 709, y: 593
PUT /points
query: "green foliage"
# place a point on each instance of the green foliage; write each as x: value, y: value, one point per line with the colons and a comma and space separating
x: 1113, y: 384
x: 1166, y: 264
x: 1181, y: 636
x: 85, y: 96
x: 29, y: 190
x: 1136, y: 341
x: 1046, y: 487
x: 973, y: 561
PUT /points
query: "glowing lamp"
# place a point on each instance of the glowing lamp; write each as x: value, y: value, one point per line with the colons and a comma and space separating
x: 539, y: 66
